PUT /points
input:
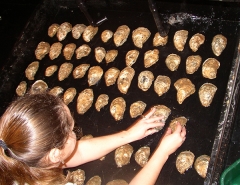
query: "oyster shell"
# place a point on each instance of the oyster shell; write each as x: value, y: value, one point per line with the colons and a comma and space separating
x: 145, y: 79
x: 38, y: 86
x: 77, y: 30
x: 63, y: 30
x: 80, y: 70
x: 131, y: 57
x: 117, y: 108
x: 161, y: 110
x: 31, y: 70
x: 111, y: 76
x: 64, y: 71
x: 69, y: 95
x: 137, y: 108
x: 196, y: 41
x: 172, y: 62
x: 140, y: 36
x: 219, y: 43
x: 210, y: 67
x: 42, y: 50
x: 52, y: 29
x: 121, y: 34
x: 95, y: 180
x: 179, y: 39
x: 123, y: 155
x: 151, y: 57
x: 101, y: 101
x: 100, y: 54
x: 106, y: 35
x: 182, y: 120
x: 84, y: 101
x: 201, y: 165
x: 56, y: 91
x: 184, y: 161
x: 82, y: 51
x: 94, y: 75
x: 117, y: 182
x: 206, y: 94
x: 89, y: 33
x: 142, y: 155
x: 125, y: 78
x: 68, y: 51
x: 158, y: 40
x: 193, y: 62
x: 50, y: 70
x: 162, y: 84
x: 21, y: 88
x: 184, y: 88
x: 77, y: 177
x: 111, y: 55
x: 55, y: 50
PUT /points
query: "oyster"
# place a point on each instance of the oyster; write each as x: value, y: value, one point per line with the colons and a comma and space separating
x: 193, y: 62
x: 184, y: 88
x: 172, y: 62
x: 140, y: 36
x: 210, y: 67
x: 100, y: 54
x: 117, y: 182
x: 117, y: 108
x: 182, y: 120
x: 106, y: 35
x: 77, y: 30
x: 56, y: 91
x: 206, y: 94
x: 21, y: 88
x: 89, y: 136
x: 131, y: 57
x: 184, y: 161
x: 162, y: 84
x: 42, y: 50
x: 151, y: 57
x: 80, y: 70
x: 121, y: 35
x: 50, y: 70
x: 137, y: 108
x: 69, y: 95
x: 38, y: 86
x: 142, y: 155
x: 219, y: 43
x: 63, y: 30
x: 77, y: 177
x: 123, y: 155
x: 201, y: 165
x: 111, y: 55
x: 89, y: 33
x: 196, y: 41
x: 84, y: 101
x: 161, y: 110
x: 82, y: 51
x: 94, y: 75
x: 111, y: 76
x: 52, y: 30
x: 125, y: 78
x: 31, y: 70
x: 55, y: 50
x: 64, y: 71
x: 95, y: 180
x: 158, y: 40
x: 179, y: 39
x: 101, y: 101
x: 145, y: 79
x: 68, y: 51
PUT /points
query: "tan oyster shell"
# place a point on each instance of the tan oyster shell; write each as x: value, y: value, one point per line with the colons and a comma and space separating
x: 77, y: 30
x: 52, y: 29
x: 56, y: 91
x: 180, y: 39
x: 125, y: 78
x: 121, y: 34
x: 106, y: 35
x: 111, y: 76
x: 182, y: 120
x: 219, y: 43
x: 21, y: 88
x: 94, y: 75
x: 137, y: 108
x: 161, y: 110
x: 210, y: 67
x: 101, y: 101
x: 196, y: 41
x: 64, y: 71
x: 158, y: 40
x: 63, y: 30
x: 142, y: 155
x: 95, y: 180
x: 77, y: 177
x: 31, y: 70
x: 50, y: 70
x: 84, y: 100
x: 193, y: 62
x: 162, y: 84
x: 68, y: 51
x: 80, y: 71
x: 38, y: 86
x: 69, y: 95
x: 172, y: 61
x: 145, y: 79
x: 140, y: 36
x: 42, y: 50
x: 131, y: 57
x: 206, y: 94
x: 82, y: 51
x: 117, y: 182
x: 117, y: 108
x: 151, y: 57
x: 184, y: 88
x: 111, y: 55
x: 55, y: 50
x: 184, y: 161
x: 123, y: 155
x: 100, y: 54
x: 89, y: 33
x: 201, y: 165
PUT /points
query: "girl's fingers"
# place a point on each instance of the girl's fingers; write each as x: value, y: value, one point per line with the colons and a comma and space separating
x: 149, y: 113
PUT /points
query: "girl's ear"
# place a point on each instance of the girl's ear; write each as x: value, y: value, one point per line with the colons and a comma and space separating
x: 54, y: 155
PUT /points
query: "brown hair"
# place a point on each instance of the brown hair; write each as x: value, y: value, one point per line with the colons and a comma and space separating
x: 30, y: 127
